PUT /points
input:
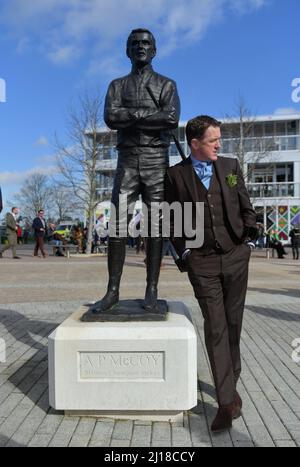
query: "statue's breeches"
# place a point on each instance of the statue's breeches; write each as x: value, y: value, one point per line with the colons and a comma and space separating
x: 138, y: 174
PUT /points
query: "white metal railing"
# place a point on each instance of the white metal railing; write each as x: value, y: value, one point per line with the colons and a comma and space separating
x: 109, y: 164
x: 273, y: 190
x: 261, y: 144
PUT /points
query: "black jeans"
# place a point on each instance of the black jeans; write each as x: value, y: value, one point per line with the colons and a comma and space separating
x: 295, y: 249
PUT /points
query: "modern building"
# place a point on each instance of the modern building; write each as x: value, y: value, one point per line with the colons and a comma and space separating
x: 269, y: 150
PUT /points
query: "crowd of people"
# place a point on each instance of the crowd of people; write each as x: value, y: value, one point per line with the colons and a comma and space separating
x: 272, y: 239
x: 46, y: 233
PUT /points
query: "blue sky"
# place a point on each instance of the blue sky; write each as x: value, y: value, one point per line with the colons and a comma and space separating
x: 216, y: 50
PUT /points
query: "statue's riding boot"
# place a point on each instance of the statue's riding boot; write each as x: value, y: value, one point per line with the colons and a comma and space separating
x: 115, y: 260
x: 154, y: 251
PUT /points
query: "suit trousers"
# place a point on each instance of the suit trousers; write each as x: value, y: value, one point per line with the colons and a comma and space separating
x: 12, y: 243
x: 220, y: 281
x: 39, y: 245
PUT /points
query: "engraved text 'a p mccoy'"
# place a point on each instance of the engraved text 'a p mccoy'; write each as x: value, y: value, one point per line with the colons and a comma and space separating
x: 122, y: 365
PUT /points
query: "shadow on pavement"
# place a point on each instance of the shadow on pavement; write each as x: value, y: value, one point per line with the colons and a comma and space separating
x: 4, y: 441
x: 207, y: 388
x: 34, y: 370
x: 286, y: 292
x: 274, y: 313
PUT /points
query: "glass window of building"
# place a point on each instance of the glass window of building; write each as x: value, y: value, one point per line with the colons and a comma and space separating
x: 280, y: 128
x: 182, y: 134
x: 292, y: 127
x: 173, y: 150
x: 290, y: 172
x: 284, y: 173
x: 280, y: 173
x: 226, y: 146
x: 176, y: 133
x: 225, y: 129
x: 258, y: 129
x: 269, y: 129
x: 262, y: 173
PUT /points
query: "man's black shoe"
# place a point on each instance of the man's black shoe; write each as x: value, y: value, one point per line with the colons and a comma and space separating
x: 16, y: 257
x: 1, y: 255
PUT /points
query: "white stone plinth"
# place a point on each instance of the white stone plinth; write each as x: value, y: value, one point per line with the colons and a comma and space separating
x: 116, y: 368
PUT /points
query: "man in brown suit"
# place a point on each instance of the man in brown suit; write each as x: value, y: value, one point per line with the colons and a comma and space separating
x: 218, y: 270
x: 11, y: 232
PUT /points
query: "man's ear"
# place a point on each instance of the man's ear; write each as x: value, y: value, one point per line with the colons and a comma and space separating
x: 194, y: 145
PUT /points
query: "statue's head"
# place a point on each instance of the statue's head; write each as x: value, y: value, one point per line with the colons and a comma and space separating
x: 141, y: 47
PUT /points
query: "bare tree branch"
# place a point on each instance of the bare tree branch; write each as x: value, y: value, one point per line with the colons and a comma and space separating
x: 241, y: 132
x: 77, y: 162
x: 35, y: 194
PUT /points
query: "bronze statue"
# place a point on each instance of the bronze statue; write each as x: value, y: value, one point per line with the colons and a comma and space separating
x: 143, y: 107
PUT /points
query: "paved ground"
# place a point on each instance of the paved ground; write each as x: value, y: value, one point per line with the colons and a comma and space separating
x: 36, y: 295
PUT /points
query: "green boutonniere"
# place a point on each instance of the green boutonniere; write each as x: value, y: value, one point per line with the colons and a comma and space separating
x: 231, y: 180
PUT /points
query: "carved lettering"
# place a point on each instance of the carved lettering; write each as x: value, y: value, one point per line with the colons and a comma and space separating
x: 122, y: 365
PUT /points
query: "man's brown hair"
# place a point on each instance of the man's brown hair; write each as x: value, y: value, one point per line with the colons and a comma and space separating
x: 196, y: 127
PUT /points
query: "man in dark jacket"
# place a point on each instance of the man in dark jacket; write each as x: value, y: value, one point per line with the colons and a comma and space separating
x: 143, y: 107
x: 40, y: 230
x: 218, y: 270
x: 11, y: 232
x: 295, y: 240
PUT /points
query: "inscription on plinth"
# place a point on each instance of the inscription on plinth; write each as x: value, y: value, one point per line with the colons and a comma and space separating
x: 122, y: 365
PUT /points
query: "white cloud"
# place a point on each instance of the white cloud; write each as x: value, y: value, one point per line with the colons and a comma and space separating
x: 243, y: 6
x: 109, y: 66
x: 65, y: 28
x: 286, y: 111
x: 62, y: 55
x: 48, y: 160
x: 10, y: 178
x: 23, y: 45
x: 41, y: 141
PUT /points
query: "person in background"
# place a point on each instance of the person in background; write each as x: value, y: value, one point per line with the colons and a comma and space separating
x: 40, y: 231
x: 295, y: 240
x: 25, y: 236
x: 55, y: 240
x: 261, y: 236
x: 85, y: 232
x: 101, y: 229
x: 11, y: 231
x: 19, y: 235
x: 168, y: 250
x: 276, y: 244
x: 78, y: 237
